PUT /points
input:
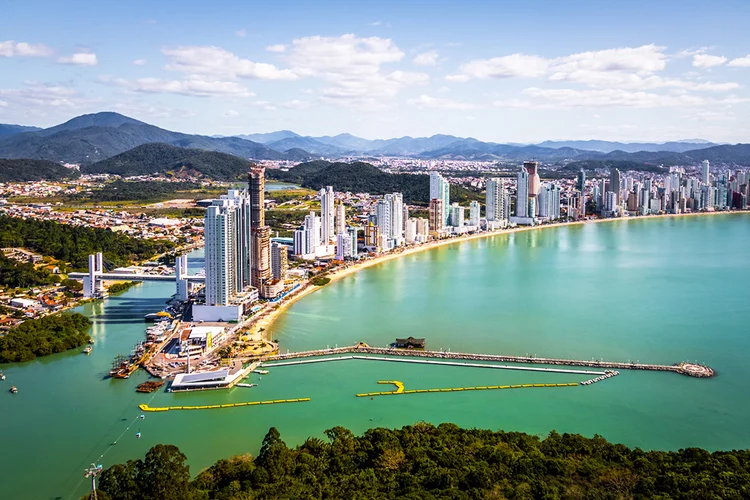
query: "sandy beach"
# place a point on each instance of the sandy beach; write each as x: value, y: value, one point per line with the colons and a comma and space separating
x: 262, y: 323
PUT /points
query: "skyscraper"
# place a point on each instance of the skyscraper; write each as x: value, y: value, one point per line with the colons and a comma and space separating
x: 261, y: 234
x: 706, y: 172
x: 440, y: 189
x: 389, y: 212
x: 474, y: 213
x: 326, y: 215
x: 581, y: 186
x: 340, y: 218
x: 279, y: 261
x: 522, y: 194
x: 437, y: 222
x: 495, y: 200
x: 534, y: 183
x: 615, y: 184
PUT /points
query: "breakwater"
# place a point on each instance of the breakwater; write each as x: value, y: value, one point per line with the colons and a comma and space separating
x: 689, y: 369
x: 400, y: 388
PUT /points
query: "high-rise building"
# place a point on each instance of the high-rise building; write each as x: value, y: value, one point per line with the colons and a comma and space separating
x: 706, y: 172
x: 340, y: 218
x: 353, y: 235
x: 549, y: 201
x: 534, y: 182
x: 279, y: 261
x: 457, y: 215
x: 437, y: 222
x: 522, y: 194
x: 326, y: 215
x: 615, y: 184
x: 440, y: 189
x: 581, y: 181
x: 260, y: 233
x: 389, y: 212
x: 495, y: 200
x: 474, y: 213
x: 343, y: 246
x: 228, y: 242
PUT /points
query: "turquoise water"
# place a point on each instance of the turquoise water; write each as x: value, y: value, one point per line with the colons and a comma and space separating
x: 657, y: 291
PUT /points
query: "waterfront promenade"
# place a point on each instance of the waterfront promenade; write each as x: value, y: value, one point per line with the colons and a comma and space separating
x: 689, y: 369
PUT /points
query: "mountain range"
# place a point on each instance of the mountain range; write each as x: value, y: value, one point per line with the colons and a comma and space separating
x: 92, y: 138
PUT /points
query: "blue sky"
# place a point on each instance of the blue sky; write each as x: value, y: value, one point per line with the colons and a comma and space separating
x: 503, y: 71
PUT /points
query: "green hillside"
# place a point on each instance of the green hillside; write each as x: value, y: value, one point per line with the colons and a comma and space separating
x: 24, y: 170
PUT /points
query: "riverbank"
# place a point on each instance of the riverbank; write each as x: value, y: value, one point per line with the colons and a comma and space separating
x: 261, y: 325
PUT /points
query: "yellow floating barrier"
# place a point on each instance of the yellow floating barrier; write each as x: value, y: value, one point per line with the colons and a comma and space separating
x: 400, y: 388
x: 493, y: 387
x: 145, y: 407
x: 515, y: 386
x: 502, y: 387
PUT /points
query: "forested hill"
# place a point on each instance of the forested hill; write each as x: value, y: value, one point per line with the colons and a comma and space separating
x: 160, y: 158
x: 422, y: 461
x: 74, y: 243
x: 34, y: 170
x: 362, y: 177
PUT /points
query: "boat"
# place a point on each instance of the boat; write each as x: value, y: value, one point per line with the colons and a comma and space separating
x: 2, y: 376
x: 88, y: 349
x: 150, y: 386
x: 157, y: 316
x: 14, y: 389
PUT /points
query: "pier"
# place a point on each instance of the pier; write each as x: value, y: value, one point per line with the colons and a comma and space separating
x: 362, y: 349
x: 431, y: 362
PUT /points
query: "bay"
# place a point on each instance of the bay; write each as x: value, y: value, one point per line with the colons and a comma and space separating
x: 659, y: 291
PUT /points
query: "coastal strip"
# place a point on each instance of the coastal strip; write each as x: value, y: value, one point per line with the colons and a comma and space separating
x: 262, y: 323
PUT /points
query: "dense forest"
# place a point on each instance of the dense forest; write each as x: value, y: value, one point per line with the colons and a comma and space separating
x: 139, y: 191
x: 14, y: 274
x: 74, y: 243
x: 422, y: 461
x: 162, y: 158
x: 44, y: 336
x: 34, y: 170
x: 359, y: 177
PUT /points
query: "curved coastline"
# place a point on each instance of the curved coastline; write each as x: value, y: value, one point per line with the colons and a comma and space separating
x: 263, y: 323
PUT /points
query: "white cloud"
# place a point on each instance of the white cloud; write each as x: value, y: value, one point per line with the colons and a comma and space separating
x: 425, y: 101
x: 514, y: 65
x: 241, y: 33
x: 593, y: 98
x: 231, y: 113
x: 426, y: 58
x: 296, y: 104
x: 264, y: 105
x: 279, y: 47
x: 458, y: 78
x: 353, y: 67
x: 3, y: 104
x: 742, y: 62
x: 192, y: 86
x: 375, y: 23
x: 46, y: 95
x: 217, y: 62
x: 80, y: 59
x: 139, y: 62
x: 10, y: 48
x: 708, y: 61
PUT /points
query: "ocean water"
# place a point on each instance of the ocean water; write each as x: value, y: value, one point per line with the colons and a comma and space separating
x: 659, y: 291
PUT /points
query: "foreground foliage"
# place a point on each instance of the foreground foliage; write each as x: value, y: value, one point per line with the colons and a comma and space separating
x: 424, y: 461
x: 74, y: 243
x: 44, y: 336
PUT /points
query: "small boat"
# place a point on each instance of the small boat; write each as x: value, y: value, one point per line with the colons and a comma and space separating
x: 138, y: 435
x: 14, y: 389
x: 88, y: 349
x: 2, y: 376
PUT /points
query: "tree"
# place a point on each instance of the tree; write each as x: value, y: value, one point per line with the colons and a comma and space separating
x: 163, y: 474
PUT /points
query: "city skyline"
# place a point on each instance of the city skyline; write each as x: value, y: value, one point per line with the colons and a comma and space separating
x: 229, y: 72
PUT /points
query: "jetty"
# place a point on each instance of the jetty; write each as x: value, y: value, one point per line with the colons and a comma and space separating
x: 362, y: 350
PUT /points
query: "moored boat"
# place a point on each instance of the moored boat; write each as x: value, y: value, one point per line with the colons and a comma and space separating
x: 87, y: 349
x: 14, y: 389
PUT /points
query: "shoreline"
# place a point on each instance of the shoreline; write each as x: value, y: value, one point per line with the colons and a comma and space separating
x: 268, y: 319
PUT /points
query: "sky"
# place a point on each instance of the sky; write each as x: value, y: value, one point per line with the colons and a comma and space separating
x: 500, y: 71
